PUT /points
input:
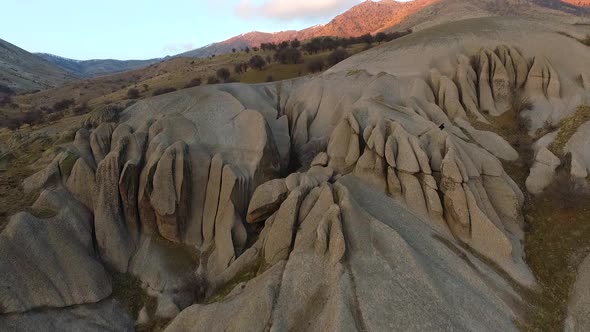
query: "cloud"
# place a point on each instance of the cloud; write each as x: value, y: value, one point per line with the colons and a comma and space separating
x: 178, y: 47
x: 293, y: 9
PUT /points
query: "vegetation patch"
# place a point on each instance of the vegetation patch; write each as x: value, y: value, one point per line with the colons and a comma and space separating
x: 42, y: 213
x: 243, y: 276
x: 67, y: 163
x: 557, y: 223
x: 556, y: 242
x: 128, y: 291
x: 13, y: 199
x: 568, y: 127
x: 353, y: 72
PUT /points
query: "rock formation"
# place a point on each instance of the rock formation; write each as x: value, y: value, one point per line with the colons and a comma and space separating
x: 355, y: 199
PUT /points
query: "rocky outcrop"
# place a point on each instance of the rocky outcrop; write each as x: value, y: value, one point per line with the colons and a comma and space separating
x: 542, y: 171
x: 50, y: 261
x: 304, y: 201
x: 107, y: 315
x: 456, y: 201
x: 337, y: 264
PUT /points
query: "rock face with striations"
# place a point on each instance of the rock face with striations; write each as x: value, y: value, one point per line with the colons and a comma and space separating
x: 253, y: 207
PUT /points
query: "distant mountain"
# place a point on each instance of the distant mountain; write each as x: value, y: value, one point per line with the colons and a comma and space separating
x: 387, y: 15
x: 367, y: 17
x: 93, y: 68
x: 580, y: 3
x: 22, y: 71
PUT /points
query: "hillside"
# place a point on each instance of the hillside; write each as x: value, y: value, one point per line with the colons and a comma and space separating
x: 96, y: 67
x: 387, y: 15
x: 22, y: 71
x: 174, y: 73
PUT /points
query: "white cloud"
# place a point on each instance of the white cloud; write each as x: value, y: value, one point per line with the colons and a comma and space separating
x: 178, y: 47
x: 293, y: 9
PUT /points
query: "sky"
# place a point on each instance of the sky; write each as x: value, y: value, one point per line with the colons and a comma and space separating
x: 130, y: 29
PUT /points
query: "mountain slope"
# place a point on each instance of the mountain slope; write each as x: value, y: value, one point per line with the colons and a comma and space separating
x: 423, y: 14
x: 367, y: 17
x: 372, y: 17
x: 93, y: 68
x: 24, y: 71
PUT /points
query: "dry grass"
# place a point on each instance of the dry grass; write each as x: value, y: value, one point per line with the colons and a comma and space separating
x: 128, y: 291
x: 557, y: 222
x: 567, y: 129
x: 557, y: 240
x: 13, y: 199
x: 243, y: 276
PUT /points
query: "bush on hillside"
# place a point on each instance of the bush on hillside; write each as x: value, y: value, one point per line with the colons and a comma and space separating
x: 132, y: 93
x: 337, y: 56
x: 257, y: 62
x: 223, y: 74
x: 82, y: 109
x: 162, y: 91
x: 194, y: 82
x: 63, y: 105
x: 316, y: 65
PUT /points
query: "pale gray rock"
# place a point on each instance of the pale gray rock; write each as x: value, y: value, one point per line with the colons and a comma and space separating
x: 266, y: 200
x: 320, y: 160
x: 50, y: 262
x: 100, y: 141
x: 81, y: 183
x: 112, y: 236
x: 248, y: 309
x: 107, y: 315
x: 280, y: 235
x: 542, y: 172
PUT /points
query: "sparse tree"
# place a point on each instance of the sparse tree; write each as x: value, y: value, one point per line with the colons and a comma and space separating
x: 295, y: 43
x: 380, y: 37
x: 247, y: 49
x: 284, y: 44
x: 337, y: 55
x: 233, y: 50
x: 289, y: 55
x: 316, y: 65
x: 223, y: 74
x: 367, y: 38
x: 255, y: 49
x: 257, y: 62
